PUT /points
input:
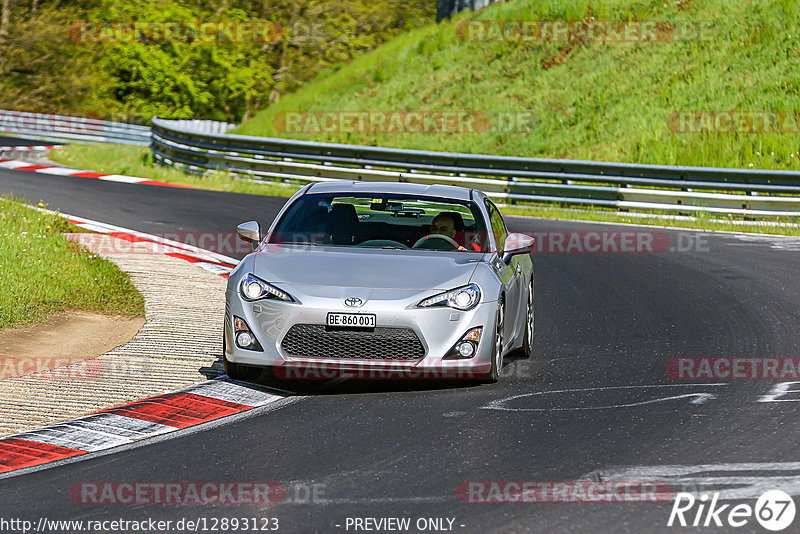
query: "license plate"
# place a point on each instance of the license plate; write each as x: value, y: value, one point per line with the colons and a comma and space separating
x: 352, y: 320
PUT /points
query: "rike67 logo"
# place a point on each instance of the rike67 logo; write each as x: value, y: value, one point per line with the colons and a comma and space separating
x: 774, y: 510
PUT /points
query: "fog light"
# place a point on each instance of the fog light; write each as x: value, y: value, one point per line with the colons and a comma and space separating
x: 467, y: 346
x: 245, y: 339
x: 466, y: 349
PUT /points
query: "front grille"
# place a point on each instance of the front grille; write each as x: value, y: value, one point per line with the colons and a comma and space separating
x: 383, y: 343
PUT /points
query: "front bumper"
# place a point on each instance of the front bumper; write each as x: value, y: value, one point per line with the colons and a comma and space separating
x: 438, y: 330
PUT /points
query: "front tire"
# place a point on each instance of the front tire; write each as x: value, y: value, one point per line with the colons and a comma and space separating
x: 497, y: 350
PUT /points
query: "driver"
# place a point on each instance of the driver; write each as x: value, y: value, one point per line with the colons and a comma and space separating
x: 445, y: 225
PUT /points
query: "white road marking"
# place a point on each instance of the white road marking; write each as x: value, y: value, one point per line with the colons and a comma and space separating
x: 386, y: 500
x: 780, y: 390
x: 789, y: 243
x: 712, y: 478
x: 697, y: 398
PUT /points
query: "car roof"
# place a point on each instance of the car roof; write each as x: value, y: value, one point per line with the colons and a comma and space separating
x: 402, y: 188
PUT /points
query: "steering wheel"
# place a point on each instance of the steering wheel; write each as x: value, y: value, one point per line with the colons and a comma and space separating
x: 381, y: 243
x: 428, y: 237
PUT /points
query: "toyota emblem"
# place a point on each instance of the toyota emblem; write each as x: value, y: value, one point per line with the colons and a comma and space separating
x: 353, y: 302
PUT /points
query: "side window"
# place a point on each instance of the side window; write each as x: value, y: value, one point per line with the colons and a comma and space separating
x: 498, y: 226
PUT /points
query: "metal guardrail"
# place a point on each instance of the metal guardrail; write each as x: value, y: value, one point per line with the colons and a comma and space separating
x: 753, y: 193
x: 203, y: 126
x: 447, y: 8
x: 62, y: 128
x: 67, y: 128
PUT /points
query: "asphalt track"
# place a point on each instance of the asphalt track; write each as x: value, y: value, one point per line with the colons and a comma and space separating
x: 607, y: 323
x: 18, y: 141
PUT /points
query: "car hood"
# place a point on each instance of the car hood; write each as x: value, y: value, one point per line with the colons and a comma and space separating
x: 364, y: 267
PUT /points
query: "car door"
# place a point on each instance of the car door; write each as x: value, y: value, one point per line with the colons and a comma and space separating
x: 510, y: 275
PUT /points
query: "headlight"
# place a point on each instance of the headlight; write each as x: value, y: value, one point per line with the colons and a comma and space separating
x: 462, y: 298
x: 253, y: 288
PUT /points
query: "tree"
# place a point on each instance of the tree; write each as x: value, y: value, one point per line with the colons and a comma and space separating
x: 5, y: 17
x: 42, y: 69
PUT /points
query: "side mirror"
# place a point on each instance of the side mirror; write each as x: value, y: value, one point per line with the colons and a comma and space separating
x: 250, y: 232
x: 517, y: 244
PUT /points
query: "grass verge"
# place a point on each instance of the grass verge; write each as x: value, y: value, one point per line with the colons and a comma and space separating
x: 42, y: 273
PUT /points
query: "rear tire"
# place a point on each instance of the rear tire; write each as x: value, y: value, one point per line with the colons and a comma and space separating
x: 236, y: 371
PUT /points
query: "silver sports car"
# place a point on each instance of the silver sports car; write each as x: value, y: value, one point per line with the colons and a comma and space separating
x: 380, y: 280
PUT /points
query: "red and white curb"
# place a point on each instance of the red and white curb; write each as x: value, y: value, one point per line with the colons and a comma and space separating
x: 19, y: 165
x: 37, y: 147
x: 124, y: 425
x: 154, y: 416
x: 142, y: 419
x: 207, y: 259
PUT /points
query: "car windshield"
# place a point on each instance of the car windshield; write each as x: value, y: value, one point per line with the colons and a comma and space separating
x: 383, y: 221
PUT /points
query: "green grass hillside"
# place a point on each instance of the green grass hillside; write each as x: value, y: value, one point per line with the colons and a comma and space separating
x: 586, y: 99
